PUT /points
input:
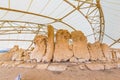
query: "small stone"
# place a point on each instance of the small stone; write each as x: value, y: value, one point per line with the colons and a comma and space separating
x: 95, y: 66
x: 57, y: 67
x: 26, y: 65
x: 41, y: 66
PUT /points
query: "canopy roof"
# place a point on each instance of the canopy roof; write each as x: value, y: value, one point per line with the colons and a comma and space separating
x: 21, y: 20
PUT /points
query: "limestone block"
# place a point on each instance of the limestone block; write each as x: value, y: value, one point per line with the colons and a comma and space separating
x: 50, y: 45
x: 57, y: 67
x: 26, y: 65
x: 40, y: 48
x: 80, y: 49
x: 106, y: 52
x: 95, y: 66
x: 62, y: 51
x: 96, y: 51
x: 42, y: 66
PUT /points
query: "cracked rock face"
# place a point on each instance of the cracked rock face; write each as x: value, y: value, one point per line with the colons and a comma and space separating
x: 80, y: 45
x: 62, y: 51
x: 40, y: 48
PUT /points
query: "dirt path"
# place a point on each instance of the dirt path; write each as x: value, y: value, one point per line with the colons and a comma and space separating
x: 34, y: 74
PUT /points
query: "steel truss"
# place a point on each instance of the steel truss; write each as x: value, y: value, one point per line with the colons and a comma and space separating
x: 90, y: 9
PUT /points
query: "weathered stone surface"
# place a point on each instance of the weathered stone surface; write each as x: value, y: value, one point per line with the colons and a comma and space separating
x: 114, y: 55
x: 73, y: 59
x: 8, y: 56
x: 80, y: 45
x: 62, y: 51
x: 42, y: 66
x: 110, y: 65
x: 118, y: 54
x: 40, y: 48
x: 20, y: 55
x: 106, y: 52
x: 57, y: 67
x: 118, y: 64
x: 95, y: 66
x: 26, y: 65
x: 50, y: 45
x: 96, y: 51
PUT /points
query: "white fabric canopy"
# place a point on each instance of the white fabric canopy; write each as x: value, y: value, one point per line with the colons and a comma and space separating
x: 16, y: 10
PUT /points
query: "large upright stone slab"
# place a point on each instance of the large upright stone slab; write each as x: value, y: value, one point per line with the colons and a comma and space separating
x: 80, y: 49
x: 106, y: 52
x: 50, y: 45
x: 62, y: 51
x: 40, y: 48
x: 96, y: 51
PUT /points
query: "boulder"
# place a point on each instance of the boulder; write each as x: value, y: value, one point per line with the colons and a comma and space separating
x: 95, y: 66
x: 50, y: 45
x: 96, y: 51
x: 40, y: 48
x: 62, y: 49
x: 80, y: 49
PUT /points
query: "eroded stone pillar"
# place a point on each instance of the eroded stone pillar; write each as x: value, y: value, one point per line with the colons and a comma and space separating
x: 80, y: 49
x: 40, y: 48
x: 62, y: 51
x: 50, y: 45
x: 96, y: 51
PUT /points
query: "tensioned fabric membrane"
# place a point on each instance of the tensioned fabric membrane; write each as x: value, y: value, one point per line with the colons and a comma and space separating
x: 21, y: 20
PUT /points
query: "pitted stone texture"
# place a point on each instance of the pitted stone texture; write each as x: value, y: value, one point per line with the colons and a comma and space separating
x: 50, y: 45
x: 95, y: 66
x: 57, y: 67
x: 42, y: 66
x: 106, y: 51
x: 80, y: 49
x: 62, y: 51
x: 96, y: 51
x: 40, y: 48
